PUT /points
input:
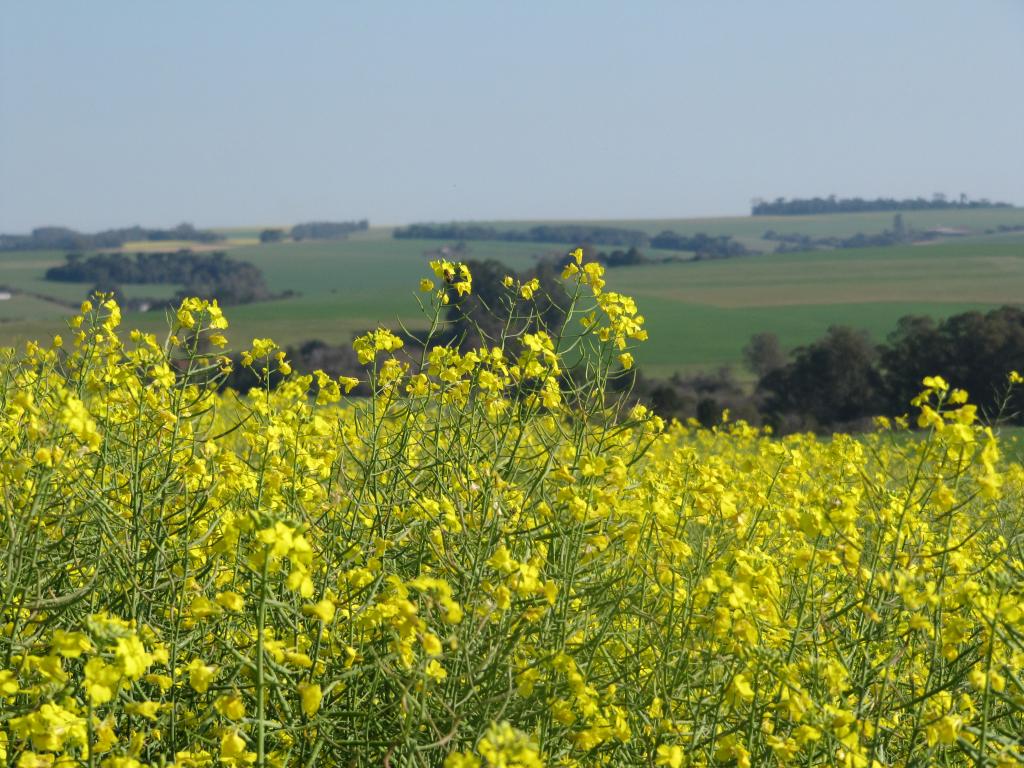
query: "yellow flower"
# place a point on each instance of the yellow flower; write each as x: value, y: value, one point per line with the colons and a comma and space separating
x: 230, y: 600
x: 502, y: 560
x: 930, y: 418
x: 52, y: 728
x: 670, y: 755
x: 32, y: 760
x: 70, y: 645
x: 186, y: 319
x: 431, y: 644
x: 200, y: 675
x: 944, y: 731
x: 310, y: 696
x: 323, y: 610
x: 435, y: 671
x: 163, y: 682
x: 233, y: 750
x: 231, y: 706
x: 120, y: 761
x: 298, y: 659
x: 8, y: 682
x: 503, y: 745
x: 202, y: 607
x: 380, y: 340
x: 147, y: 709
x: 740, y: 690
x: 461, y: 760
x: 101, y: 681
x: 132, y: 657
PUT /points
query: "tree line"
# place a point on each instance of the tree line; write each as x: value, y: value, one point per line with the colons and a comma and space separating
x: 704, y: 246
x: 207, y: 275
x: 795, y: 242
x: 792, y: 242
x: 315, y: 230
x: 576, y: 234
x: 65, y: 239
x: 843, y: 380
x: 631, y: 257
x: 780, y: 206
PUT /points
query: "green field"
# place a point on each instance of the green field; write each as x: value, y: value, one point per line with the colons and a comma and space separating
x: 344, y: 287
x: 699, y: 313
x: 703, y: 313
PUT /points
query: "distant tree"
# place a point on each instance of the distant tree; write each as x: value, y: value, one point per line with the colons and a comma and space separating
x: 208, y: 275
x: 271, y: 235
x: 898, y: 227
x: 62, y: 238
x: 763, y: 354
x: 702, y: 396
x: 327, y: 230
x: 571, y: 234
x: 705, y: 246
x: 834, y: 380
x: 972, y: 350
x: 794, y: 242
x: 831, y: 204
x: 842, y: 379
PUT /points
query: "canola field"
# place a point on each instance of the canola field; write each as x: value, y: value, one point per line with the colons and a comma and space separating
x: 488, y: 563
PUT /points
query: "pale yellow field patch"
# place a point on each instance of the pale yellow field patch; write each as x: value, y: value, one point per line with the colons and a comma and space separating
x: 158, y: 246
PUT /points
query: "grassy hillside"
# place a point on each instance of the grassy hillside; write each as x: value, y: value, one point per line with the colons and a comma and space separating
x: 699, y: 314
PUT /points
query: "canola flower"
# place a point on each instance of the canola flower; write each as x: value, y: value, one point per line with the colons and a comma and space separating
x: 487, y: 564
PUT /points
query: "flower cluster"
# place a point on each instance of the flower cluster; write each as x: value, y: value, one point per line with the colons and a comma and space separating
x: 491, y: 561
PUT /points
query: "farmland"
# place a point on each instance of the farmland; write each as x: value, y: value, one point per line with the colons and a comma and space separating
x: 700, y: 314
x: 749, y: 229
x: 482, y: 567
x: 704, y: 312
x: 511, y: 385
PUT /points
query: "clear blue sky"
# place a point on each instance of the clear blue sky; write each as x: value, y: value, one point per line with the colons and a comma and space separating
x: 232, y: 112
